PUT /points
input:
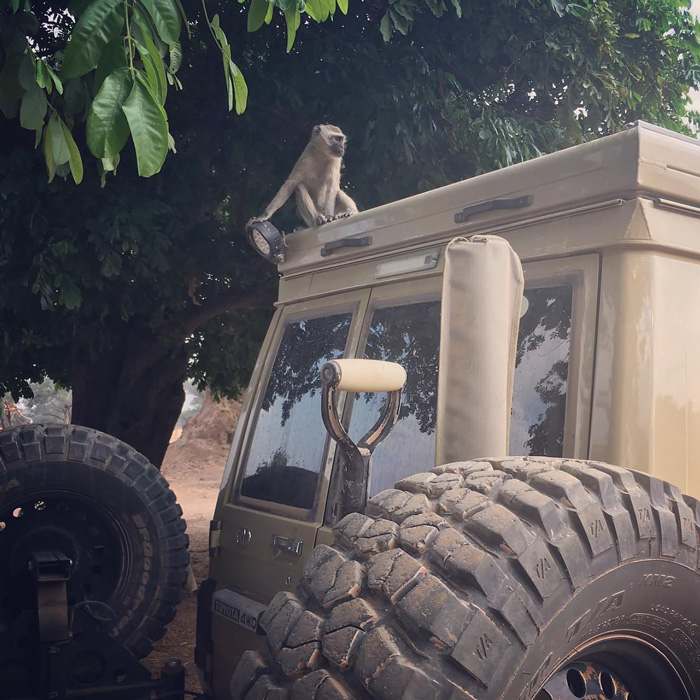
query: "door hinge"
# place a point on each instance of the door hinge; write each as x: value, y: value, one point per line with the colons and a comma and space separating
x: 214, y: 538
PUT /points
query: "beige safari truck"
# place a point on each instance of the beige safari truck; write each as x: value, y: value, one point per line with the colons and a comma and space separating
x: 447, y: 570
x: 370, y: 538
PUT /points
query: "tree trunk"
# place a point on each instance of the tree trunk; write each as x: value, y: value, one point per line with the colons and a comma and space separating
x: 132, y: 390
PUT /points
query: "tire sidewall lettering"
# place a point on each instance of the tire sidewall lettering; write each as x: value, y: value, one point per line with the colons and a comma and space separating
x: 652, y: 600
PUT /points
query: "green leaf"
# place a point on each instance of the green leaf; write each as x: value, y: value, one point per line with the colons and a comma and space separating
x: 33, y: 108
x: 48, y: 150
x: 578, y: 11
x: 386, y: 27
x: 97, y: 26
x: 343, y: 6
x: 70, y: 295
x: 15, y: 6
x: 149, y: 54
x: 107, y: 128
x: 59, y: 146
x: 226, y: 57
x: 166, y: 18
x: 270, y: 13
x: 291, y: 18
x: 75, y: 161
x: 43, y: 79
x: 10, y: 89
x: 256, y: 14
x: 113, y: 58
x: 175, y: 58
x: 110, y: 164
x: 240, y: 89
x: 149, y: 128
x: 56, y: 81
x: 26, y: 75
x: 77, y: 7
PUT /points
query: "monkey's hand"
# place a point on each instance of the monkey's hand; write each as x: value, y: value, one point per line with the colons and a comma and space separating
x: 321, y: 219
x: 255, y: 220
x: 345, y: 214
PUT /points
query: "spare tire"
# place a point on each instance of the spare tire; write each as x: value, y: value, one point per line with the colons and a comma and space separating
x: 512, y: 579
x: 100, y: 503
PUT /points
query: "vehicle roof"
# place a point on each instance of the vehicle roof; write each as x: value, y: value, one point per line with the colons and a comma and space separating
x: 642, y: 161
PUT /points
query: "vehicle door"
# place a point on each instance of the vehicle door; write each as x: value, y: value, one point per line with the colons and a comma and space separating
x: 275, y: 504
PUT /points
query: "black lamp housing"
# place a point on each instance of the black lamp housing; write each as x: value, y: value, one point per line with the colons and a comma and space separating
x: 266, y: 240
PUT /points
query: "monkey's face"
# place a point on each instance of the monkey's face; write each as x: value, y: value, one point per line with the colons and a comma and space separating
x: 336, y: 145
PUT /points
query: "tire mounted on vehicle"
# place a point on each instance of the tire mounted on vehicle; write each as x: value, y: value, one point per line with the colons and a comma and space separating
x: 513, y: 579
x: 103, y: 505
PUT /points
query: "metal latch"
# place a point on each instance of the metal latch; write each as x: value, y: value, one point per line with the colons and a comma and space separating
x: 361, y: 242
x: 214, y: 538
x: 287, y: 544
x: 491, y: 205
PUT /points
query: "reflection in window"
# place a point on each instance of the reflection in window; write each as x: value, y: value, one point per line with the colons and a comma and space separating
x: 541, y: 373
x: 287, y: 450
x: 408, y: 335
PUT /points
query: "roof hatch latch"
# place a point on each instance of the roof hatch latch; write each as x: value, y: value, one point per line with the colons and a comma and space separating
x: 491, y: 204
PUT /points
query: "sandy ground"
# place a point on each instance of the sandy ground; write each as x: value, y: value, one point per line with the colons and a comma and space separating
x: 194, y: 466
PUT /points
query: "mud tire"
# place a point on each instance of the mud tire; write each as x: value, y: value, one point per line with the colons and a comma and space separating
x: 480, y: 579
x: 48, y: 463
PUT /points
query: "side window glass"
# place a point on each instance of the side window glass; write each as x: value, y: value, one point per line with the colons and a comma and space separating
x: 286, y: 452
x: 409, y: 335
x: 541, y: 372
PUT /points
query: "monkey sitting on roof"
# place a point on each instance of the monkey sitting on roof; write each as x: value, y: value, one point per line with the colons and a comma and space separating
x: 315, y: 180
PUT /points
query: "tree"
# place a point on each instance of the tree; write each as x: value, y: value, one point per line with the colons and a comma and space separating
x: 121, y: 291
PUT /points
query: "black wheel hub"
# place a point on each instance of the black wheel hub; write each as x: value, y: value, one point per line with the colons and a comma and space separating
x: 618, y: 667
x: 579, y: 681
x: 83, y: 530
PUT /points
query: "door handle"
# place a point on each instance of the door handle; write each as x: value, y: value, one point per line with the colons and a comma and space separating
x: 287, y: 544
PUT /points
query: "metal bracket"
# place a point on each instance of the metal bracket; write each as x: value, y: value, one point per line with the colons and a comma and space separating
x: 491, y: 205
x: 328, y: 248
x: 349, y: 488
x: 214, y: 538
x: 51, y: 571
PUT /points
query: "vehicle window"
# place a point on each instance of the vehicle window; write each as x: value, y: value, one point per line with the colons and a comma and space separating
x: 286, y: 453
x: 409, y: 335
x: 541, y: 373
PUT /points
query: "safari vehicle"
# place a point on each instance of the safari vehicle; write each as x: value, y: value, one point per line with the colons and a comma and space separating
x: 552, y: 577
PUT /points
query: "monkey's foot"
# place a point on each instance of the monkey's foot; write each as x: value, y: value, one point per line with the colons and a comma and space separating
x: 344, y: 214
x: 321, y: 219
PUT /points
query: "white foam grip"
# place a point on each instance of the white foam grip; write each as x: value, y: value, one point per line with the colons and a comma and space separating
x: 370, y: 375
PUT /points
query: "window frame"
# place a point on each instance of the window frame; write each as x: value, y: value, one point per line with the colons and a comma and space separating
x: 354, y: 303
x: 582, y: 273
x: 398, y: 293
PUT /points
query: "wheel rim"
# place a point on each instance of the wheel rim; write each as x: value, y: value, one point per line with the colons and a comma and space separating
x: 618, y: 667
x: 84, y: 530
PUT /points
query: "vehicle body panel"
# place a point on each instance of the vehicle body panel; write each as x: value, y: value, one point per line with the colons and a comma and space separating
x: 615, y: 221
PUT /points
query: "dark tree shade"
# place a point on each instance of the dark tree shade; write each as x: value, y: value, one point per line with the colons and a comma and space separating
x: 120, y: 292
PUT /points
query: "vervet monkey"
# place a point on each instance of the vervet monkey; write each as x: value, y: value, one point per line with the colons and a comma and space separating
x: 315, y: 180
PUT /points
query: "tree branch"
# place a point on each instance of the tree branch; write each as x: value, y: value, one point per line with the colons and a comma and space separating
x: 258, y: 298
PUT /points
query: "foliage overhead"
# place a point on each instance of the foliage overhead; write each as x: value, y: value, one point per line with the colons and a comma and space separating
x: 106, y: 66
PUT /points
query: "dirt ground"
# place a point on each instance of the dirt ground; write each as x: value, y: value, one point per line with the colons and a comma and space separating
x: 194, y: 465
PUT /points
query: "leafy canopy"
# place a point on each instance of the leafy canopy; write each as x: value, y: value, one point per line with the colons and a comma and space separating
x: 90, y: 273
x: 107, y: 66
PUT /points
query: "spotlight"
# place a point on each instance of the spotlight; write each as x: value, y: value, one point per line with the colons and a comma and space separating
x: 266, y: 240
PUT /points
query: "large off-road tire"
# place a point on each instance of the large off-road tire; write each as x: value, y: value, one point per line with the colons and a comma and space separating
x: 511, y: 579
x: 104, y: 506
